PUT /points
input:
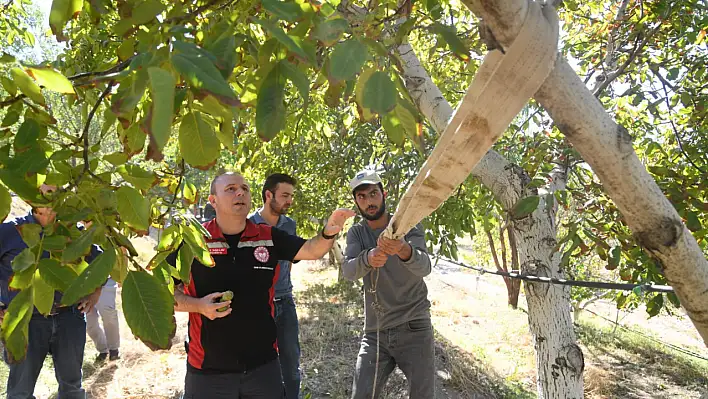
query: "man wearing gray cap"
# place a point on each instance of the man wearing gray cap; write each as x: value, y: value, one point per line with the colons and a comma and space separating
x: 398, y: 330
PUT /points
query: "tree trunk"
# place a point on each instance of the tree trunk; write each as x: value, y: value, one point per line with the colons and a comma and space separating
x: 336, y: 258
x: 559, y: 360
x: 607, y: 147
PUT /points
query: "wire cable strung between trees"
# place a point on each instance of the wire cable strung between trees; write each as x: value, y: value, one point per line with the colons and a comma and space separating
x: 572, y: 283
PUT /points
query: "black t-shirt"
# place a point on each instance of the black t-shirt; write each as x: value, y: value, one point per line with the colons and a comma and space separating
x: 247, y: 265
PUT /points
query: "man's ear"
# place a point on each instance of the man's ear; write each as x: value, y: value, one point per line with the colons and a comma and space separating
x: 385, y: 193
x: 212, y: 199
x: 268, y: 195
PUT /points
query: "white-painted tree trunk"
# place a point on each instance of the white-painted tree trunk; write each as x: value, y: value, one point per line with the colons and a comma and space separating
x: 607, y: 147
x: 559, y: 360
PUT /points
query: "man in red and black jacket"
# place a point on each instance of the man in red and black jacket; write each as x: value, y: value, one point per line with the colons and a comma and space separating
x: 233, y: 353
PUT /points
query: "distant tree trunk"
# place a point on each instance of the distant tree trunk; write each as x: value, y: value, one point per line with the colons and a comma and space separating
x: 336, y: 258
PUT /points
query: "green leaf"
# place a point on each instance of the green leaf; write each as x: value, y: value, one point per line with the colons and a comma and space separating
x: 365, y: 113
x: 11, y: 117
x: 162, y: 86
x: 655, y: 304
x: 156, y: 260
x: 379, y: 93
x: 674, y: 299
x: 15, y: 326
x: 270, y: 105
x: 43, y: 294
x: 449, y: 35
x: 298, y: 79
x: 410, y: 124
x: 185, y: 257
x: 394, y: 128
x: 329, y: 32
x: 288, y: 41
x: 79, y: 247
x: 133, y: 208
x: 133, y: 140
x: 692, y: 221
x: 201, y: 73
x: 53, y: 273
x: 120, y: 269
x: 21, y: 187
x: 61, y: 12
x: 55, y: 242
x: 27, y: 135
x: 525, y: 206
x: 5, y: 202
x: 146, y: 11
x: 171, y: 238
x: 347, y: 59
x: 23, y: 260
x: 116, y: 158
x: 197, y: 244
x: 51, y: 79
x: 198, y: 143
x: 30, y: 233
x: 614, y: 259
x: 92, y: 277
x: 434, y: 8
x: 31, y: 160
x: 285, y: 10
x: 26, y: 85
x: 8, y: 85
x: 140, y: 178
x: 190, y: 192
x: 148, y: 307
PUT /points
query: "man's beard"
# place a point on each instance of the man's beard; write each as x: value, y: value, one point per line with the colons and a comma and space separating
x: 377, y: 215
x: 278, y: 209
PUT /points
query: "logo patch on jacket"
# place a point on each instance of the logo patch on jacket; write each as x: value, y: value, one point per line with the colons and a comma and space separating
x: 261, y: 253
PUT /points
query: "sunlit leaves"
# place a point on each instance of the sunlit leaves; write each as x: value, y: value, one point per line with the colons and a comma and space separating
x: 61, y: 12
x: 330, y: 31
x: 79, y: 247
x: 94, y: 276
x: 134, y: 208
x: 53, y: 273
x: 51, y: 79
x: 26, y: 85
x: 15, y: 325
x: 197, y: 141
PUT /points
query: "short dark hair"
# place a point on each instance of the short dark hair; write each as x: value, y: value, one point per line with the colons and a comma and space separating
x: 212, y: 188
x: 365, y: 187
x: 272, y: 181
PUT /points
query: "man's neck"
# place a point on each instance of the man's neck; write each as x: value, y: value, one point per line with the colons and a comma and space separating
x: 269, y: 216
x: 379, y: 223
x: 231, y: 225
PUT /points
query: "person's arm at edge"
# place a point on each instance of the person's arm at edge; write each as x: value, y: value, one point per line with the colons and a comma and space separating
x: 317, y: 246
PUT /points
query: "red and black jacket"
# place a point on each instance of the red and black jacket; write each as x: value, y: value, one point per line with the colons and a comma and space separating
x: 246, y: 338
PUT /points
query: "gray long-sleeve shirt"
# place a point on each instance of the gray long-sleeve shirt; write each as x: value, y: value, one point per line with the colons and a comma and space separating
x: 400, y: 289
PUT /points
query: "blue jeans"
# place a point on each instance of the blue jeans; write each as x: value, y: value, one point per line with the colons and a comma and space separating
x: 288, y: 344
x: 410, y: 346
x: 64, y: 336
